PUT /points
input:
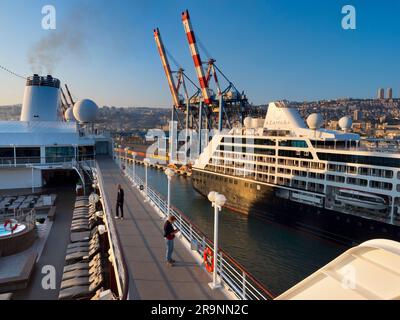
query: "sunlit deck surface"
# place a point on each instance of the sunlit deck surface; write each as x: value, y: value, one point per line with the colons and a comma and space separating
x: 141, y: 235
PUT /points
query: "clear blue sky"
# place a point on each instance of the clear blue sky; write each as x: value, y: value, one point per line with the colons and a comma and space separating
x: 271, y: 49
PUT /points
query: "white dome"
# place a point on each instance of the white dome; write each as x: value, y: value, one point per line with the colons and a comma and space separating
x: 315, y: 121
x: 69, y: 114
x: 247, y: 122
x: 85, y: 110
x: 345, y: 123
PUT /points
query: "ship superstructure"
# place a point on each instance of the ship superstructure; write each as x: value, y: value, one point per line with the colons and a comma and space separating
x: 42, y: 147
x: 319, y: 179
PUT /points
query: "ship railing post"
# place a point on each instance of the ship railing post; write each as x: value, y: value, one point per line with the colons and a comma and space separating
x: 244, y: 285
x: 221, y: 268
x: 190, y: 233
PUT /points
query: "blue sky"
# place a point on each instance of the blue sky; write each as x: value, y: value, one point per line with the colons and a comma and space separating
x: 272, y: 49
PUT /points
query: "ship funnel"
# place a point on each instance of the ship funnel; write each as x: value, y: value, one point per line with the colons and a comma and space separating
x: 41, y: 99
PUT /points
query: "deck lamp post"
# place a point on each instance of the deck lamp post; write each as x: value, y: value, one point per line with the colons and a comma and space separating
x: 146, y: 162
x: 169, y: 173
x: 217, y: 201
x: 126, y: 159
x: 133, y: 167
x: 119, y: 156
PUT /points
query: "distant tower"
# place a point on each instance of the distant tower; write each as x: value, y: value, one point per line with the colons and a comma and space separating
x: 357, y: 116
x: 41, y: 99
x: 389, y: 93
x: 381, y: 93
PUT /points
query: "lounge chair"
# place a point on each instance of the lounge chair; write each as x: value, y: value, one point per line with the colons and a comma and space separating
x: 96, y: 261
x: 82, y: 292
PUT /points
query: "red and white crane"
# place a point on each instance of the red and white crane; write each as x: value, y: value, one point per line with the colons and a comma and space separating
x: 196, y: 57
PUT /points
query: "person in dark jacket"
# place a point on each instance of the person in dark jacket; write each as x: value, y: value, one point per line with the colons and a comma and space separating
x: 169, y: 235
x: 120, y: 203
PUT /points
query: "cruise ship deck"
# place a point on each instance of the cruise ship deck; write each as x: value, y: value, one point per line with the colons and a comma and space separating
x: 143, y: 247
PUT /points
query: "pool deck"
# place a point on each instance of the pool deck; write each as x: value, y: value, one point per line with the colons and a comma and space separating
x: 53, y: 251
x: 143, y: 245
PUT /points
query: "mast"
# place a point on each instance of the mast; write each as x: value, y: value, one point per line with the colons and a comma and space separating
x: 167, y: 69
x: 70, y: 96
x: 196, y: 56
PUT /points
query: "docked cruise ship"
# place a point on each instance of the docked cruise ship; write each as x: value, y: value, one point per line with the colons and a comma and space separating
x: 328, y: 182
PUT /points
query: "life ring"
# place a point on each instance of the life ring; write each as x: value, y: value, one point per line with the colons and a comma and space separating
x: 13, y: 225
x: 208, y: 259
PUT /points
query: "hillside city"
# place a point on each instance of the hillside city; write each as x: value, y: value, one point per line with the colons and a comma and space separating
x: 373, y: 118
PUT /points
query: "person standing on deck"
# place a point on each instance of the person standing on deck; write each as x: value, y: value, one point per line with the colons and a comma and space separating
x: 120, y: 203
x: 169, y: 235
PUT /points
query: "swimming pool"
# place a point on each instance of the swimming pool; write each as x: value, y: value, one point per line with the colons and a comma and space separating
x: 5, y: 233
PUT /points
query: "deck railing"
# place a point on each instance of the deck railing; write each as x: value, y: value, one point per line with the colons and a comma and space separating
x: 231, y: 274
x: 121, y: 270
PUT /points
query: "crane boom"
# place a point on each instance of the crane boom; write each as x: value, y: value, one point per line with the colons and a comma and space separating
x: 196, y: 56
x: 167, y: 69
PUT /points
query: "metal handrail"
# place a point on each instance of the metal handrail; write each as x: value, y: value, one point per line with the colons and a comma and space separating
x: 231, y: 273
x: 117, y: 249
x: 38, y: 161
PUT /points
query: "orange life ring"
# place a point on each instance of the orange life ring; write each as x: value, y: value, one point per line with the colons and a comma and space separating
x: 208, y: 259
x: 13, y: 224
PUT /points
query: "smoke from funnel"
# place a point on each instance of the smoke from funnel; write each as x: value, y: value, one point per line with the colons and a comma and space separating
x: 48, y: 52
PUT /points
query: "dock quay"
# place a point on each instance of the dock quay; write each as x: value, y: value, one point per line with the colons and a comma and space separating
x: 143, y: 247
x: 127, y: 156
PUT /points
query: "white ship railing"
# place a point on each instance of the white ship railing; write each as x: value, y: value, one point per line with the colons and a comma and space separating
x: 232, y: 275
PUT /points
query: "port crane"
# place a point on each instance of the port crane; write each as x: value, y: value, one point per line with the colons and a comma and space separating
x: 227, y: 104
x: 183, y: 102
x: 204, y: 109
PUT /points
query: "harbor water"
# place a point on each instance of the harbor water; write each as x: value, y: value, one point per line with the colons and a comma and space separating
x: 277, y: 255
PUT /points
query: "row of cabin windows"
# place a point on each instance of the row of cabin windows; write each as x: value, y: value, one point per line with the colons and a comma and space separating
x: 248, y: 140
x: 311, y: 186
x: 288, y: 162
x: 295, y: 154
x: 246, y: 150
x: 369, y: 160
x: 382, y: 173
x: 266, y: 142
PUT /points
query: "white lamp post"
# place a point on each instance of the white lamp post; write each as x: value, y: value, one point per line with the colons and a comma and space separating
x: 146, y: 162
x: 133, y: 167
x: 126, y: 159
x: 217, y: 201
x: 119, y: 156
x: 169, y: 173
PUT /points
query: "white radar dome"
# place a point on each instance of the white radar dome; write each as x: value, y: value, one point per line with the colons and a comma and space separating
x: 85, y: 110
x: 345, y: 123
x: 315, y: 121
x: 247, y: 122
x: 69, y: 114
